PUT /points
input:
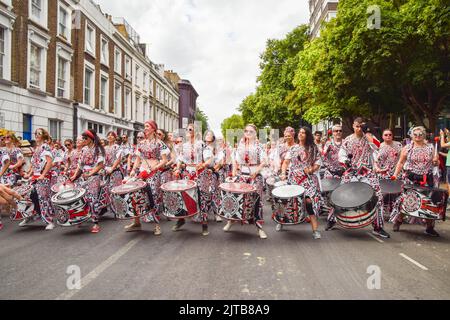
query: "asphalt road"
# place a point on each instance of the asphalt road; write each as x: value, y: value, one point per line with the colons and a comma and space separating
x: 236, y: 265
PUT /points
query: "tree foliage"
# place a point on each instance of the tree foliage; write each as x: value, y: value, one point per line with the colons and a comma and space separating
x: 203, y: 118
x: 233, y: 122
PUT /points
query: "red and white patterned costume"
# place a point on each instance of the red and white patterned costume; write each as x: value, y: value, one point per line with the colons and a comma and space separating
x: 10, y: 176
x: 387, y: 158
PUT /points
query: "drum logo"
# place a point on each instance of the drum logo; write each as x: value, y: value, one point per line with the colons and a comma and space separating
x: 172, y: 202
x: 411, y: 202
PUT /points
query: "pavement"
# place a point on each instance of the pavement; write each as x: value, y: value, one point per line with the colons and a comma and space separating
x: 184, y: 265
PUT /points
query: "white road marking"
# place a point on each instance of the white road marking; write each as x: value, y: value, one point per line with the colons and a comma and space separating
x: 413, y: 261
x: 99, y: 269
x: 379, y: 240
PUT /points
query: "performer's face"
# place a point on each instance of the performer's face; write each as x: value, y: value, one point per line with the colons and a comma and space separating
x: 318, y: 138
x: 337, y: 132
x: 79, y: 142
x: 190, y: 131
x: 388, y: 136
x: 418, y: 136
x: 209, y: 137
x: 111, y: 138
x: 249, y: 132
x: 149, y: 129
x: 357, y: 127
x: 302, y: 135
x: 288, y: 137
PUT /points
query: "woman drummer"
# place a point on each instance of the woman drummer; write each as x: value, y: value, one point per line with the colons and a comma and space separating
x: 92, y: 161
x: 167, y: 174
x: 4, y: 165
x: 303, y: 160
x: 73, y: 156
x: 40, y: 172
x: 249, y: 160
x: 151, y: 157
x: 16, y: 161
x: 220, y: 173
x: 417, y: 159
x: 113, y: 159
x: 193, y: 161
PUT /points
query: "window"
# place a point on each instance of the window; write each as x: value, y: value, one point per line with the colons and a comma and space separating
x: 128, y: 68
x: 98, y: 128
x: 27, y: 126
x: 151, y: 86
x: 90, y: 39
x: 35, y: 66
x: 38, y: 11
x: 104, y: 93
x: 118, y: 61
x: 88, y: 86
x: 104, y: 53
x: 127, y: 111
x: 136, y: 80
x: 64, y: 21
x: 144, y: 81
x: 54, y: 129
x: 62, y: 78
x: 117, y: 98
x: 136, y: 108
x: 2, y: 53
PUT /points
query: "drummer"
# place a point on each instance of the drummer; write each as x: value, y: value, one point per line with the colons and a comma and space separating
x: 113, y: 160
x: 386, y: 160
x: 220, y: 173
x: 288, y: 143
x: 4, y: 165
x: 91, y: 162
x: 73, y: 155
x: 417, y: 159
x: 357, y: 155
x: 9, y: 174
x: 151, y: 157
x: 249, y: 160
x: 40, y: 172
x: 167, y: 174
x: 193, y: 160
x: 303, y: 160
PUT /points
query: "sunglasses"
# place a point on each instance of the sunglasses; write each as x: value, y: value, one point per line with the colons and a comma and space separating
x: 337, y: 131
x: 67, y: 145
x: 190, y: 129
x: 140, y: 138
x: 160, y: 134
x: 38, y: 133
x: 7, y: 137
x: 388, y: 135
x: 418, y: 135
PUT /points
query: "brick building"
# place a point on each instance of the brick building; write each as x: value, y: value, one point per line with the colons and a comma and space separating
x: 66, y: 66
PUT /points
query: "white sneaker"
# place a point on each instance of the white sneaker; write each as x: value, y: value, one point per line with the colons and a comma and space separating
x: 316, y: 235
x: 50, y: 226
x: 24, y: 222
x: 218, y: 219
x: 228, y: 226
x: 279, y: 227
x: 262, y: 234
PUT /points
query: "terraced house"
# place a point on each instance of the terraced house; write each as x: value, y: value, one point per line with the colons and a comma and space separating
x: 66, y: 66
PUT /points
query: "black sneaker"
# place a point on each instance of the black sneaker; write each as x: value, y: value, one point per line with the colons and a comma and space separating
x: 381, y: 233
x: 431, y: 233
x: 330, y: 225
x: 179, y: 224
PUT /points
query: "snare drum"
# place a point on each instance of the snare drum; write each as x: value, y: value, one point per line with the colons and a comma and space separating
x: 71, y: 208
x: 62, y: 186
x: 355, y: 205
x: 25, y: 207
x: 288, y: 204
x: 180, y: 199
x: 424, y: 202
x: 238, y: 201
x: 130, y: 200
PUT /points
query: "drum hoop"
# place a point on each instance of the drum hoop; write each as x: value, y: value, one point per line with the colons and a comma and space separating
x: 288, y: 197
x: 165, y: 186
x: 57, y: 201
x: 120, y: 191
x: 222, y: 187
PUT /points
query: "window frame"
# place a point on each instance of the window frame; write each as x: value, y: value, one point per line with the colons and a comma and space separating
x: 104, y: 60
x: 91, y: 68
x: 94, y: 37
x: 118, y: 100
x: 118, y: 61
x: 42, y: 20
x: 68, y: 36
x: 105, y: 108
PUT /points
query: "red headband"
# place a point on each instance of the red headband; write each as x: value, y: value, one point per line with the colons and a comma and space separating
x: 152, y: 124
x: 89, y: 134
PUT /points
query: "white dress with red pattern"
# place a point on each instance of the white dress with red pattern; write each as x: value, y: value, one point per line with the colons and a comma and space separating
x: 330, y: 156
x: 43, y: 187
x: 11, y: 176
x: 299, y: 161
x: 387, y: 158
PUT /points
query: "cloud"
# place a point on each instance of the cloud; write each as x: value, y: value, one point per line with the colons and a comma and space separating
x: 215, y: 44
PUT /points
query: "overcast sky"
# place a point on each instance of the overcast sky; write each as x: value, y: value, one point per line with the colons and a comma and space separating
x: 213, y: 43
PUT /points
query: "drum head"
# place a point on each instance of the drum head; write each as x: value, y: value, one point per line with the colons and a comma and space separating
x: 288, y: 192
x: 179, y: 185
x: 237, y: 187
x: 391, y: 187
x: 61, y: 186
x: 329, y: 185
x: 129, y: 187
x: 352, y: 195
x: 68, y: 196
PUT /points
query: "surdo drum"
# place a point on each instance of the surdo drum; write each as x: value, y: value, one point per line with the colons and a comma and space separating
x: 288, y: 204
x: 25, y: 207
x: 355, y: 205
x: 71, y: 208
x: 238, y: 201
x: 424, y: 202
x: 62, y: 186
x: 180, y: 199
x: 130, y: 200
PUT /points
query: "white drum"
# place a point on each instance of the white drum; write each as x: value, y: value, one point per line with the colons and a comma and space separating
x: 288, y: 204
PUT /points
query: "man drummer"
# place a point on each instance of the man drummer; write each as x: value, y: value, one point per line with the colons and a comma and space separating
x: 356, y: 154
x: 417, y: 159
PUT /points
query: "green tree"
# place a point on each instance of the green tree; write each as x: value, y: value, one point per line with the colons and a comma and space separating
x: 233, y: 122
x: 268, y: 105
x: 403, y: 67
x: 201, y: 116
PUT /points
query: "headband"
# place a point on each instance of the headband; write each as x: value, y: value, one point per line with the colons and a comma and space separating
x: 89, y: 134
